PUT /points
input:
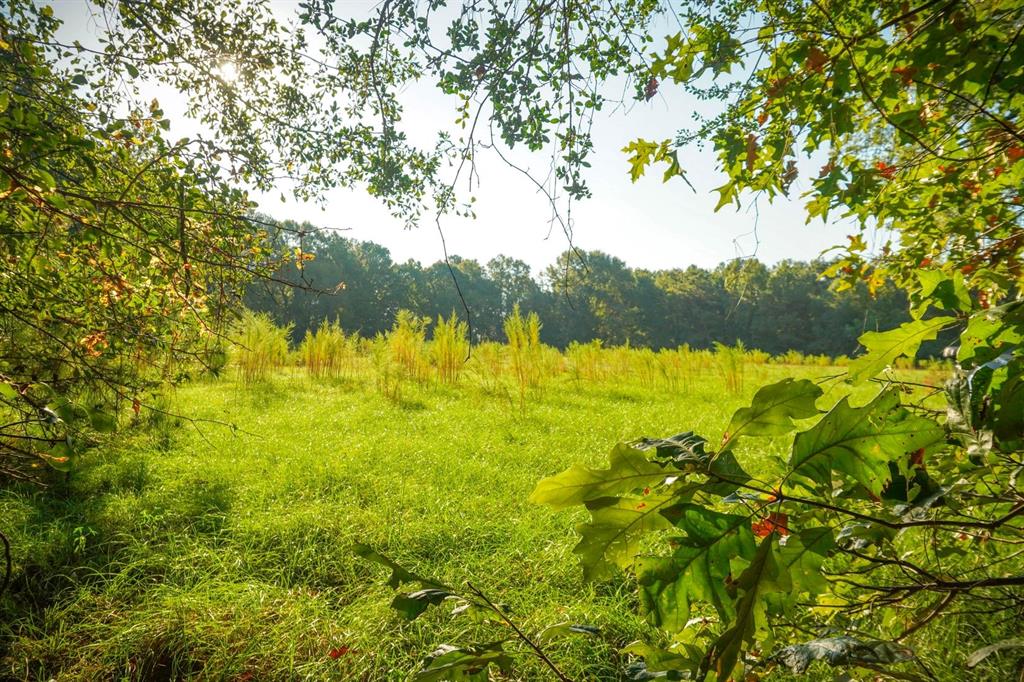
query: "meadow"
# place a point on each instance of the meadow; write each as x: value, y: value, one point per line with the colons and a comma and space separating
x: 215, y: 540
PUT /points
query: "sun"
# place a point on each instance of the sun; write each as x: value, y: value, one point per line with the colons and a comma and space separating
x: 228, y: 71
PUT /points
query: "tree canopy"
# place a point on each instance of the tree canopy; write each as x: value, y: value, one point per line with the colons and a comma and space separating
x: 585, y: 296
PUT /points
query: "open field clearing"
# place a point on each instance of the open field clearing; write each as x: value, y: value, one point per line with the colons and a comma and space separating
x: 511, y: 341
x: 192, y: 550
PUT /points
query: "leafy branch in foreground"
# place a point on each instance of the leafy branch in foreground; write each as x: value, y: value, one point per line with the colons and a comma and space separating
x: 469, y: 662
x: 879, y: 520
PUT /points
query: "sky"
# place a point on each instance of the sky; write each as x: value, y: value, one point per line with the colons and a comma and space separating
x: 648, y: 224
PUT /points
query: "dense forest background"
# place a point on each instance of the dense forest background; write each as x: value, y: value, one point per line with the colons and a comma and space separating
x: 585, y: 295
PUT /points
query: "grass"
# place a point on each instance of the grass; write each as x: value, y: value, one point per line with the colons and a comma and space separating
x: 191, y: 551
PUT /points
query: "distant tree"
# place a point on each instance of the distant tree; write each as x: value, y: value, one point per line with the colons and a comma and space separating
x: 514, y: 283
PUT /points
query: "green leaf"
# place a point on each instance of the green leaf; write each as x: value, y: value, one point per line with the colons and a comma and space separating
x: 628, y: 470
x: 727, y: 194
x: 802, y: 557
x: 686, y: 452
x: 641, y: 153
x: 773, y: 409
x: 759, y: 579
x: 670, y: 663
x: 861, y: 441
x: 553, y: 632
x: 7, y: 391
x: 464, y: 664
x: 698, y: 570
x: 942, y: 290
x: 411, y: 605
x: 612, y: 537
x: 399, y: 575
x: 989, y: 333
x: 884, y: 347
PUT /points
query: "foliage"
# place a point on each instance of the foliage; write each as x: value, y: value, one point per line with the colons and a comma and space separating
x: 123, y: 251
x: 788, y: 306
x: 229, y: 552
x: 917, y: 111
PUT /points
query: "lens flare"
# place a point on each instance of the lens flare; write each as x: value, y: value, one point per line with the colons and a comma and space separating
x: 228, y: 71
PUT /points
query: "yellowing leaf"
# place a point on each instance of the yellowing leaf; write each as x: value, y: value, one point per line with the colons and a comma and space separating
x: 628, y: 470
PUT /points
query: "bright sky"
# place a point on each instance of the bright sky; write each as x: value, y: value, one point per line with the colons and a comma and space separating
x: 648, y: 224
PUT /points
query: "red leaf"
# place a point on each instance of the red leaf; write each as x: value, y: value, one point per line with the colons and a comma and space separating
x: 885, y: 170
x: 775, y: 522
x: 906, y: 73
x: 652, y: 88
x: 816, y: 60
x: 339, y: 652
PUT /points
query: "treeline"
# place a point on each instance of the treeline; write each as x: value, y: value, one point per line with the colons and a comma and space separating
x: 581, y: 297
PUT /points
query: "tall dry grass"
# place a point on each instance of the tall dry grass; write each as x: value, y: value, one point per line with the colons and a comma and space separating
x: 525, y: 351
x: 449, y: 348
x: 326, y: 352
x: 259, y: 346
x: 731, y: 361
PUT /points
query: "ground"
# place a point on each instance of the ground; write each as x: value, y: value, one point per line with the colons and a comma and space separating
x: 192, y: 548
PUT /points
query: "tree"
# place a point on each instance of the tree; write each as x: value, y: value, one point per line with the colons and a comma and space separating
x: 124, y: 252
x: 515, y: 285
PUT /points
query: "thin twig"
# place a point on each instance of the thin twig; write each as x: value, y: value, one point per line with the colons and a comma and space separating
x: 522, y: 635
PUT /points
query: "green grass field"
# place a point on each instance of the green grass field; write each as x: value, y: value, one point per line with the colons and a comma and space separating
x: 190, y: 550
